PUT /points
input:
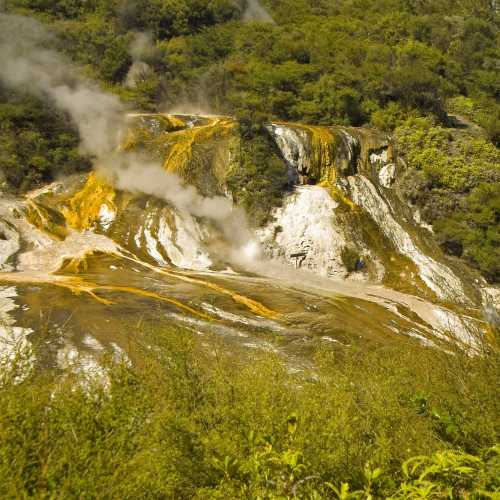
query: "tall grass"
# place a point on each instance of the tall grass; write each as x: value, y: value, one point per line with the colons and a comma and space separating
x: 192, y: 422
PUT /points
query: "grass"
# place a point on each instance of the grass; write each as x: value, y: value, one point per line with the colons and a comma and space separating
x: 191, y: 422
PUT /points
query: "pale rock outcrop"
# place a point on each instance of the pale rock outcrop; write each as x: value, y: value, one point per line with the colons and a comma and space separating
x: 304, y: 232
x: 387, y: 175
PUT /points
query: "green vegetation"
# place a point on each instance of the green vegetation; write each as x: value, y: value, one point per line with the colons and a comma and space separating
x: 455, y: 179
x: 322, y: 62
x: 36, y: 142
x: 484, y: 112
x: 259, y: 178
x: 192, y: 422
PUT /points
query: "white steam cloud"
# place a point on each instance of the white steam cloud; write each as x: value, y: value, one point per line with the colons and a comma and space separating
x: 28, y: 64
x: 134, y: 173
x: 140, y: 50
x: 255, y: 12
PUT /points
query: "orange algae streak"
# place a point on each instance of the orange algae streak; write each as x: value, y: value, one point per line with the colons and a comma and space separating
x: 151, y: 295
x: 78, y: 286
x: 253, y: 305
x: 178, y: 137
x: 137, y: 133
x: 75, y: 265
x: 82, y: 210
x: 322, y: 144
x: 180, y: 152
x: 321, y: 149
x: 173, y: 122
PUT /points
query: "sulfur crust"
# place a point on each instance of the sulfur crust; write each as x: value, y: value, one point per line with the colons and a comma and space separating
x: 82, y: 210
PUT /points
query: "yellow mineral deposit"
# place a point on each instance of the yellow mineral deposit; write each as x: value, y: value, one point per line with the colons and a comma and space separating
x: 83, y: 209
x: 78, y: 285
x: 321, y: 150
x: 251, y: 304
x: 188, y: 146
x: 180, y: 153
x: 178, y: 138
x: 338, y: 195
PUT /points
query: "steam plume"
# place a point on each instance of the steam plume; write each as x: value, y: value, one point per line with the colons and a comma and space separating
x: 255, y: 12
x: 134, y: 173
x: 140, y: 50
x: 28, y: 64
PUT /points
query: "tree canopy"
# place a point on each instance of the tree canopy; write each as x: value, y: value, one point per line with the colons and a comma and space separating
x: 412, y: 67
x: 321, y: 61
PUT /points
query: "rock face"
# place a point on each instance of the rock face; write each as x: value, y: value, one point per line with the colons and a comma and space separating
x: 197, y: 148
x: 318, y: 153
x: 341, y: 220
x: 438, y: 277
x: 387, y: 175
x: 173, y: 238
x: 305, y: 234
x: 357, y: 165
x: 340, y: 202
x: 9, y: 245
x: 340, y: 252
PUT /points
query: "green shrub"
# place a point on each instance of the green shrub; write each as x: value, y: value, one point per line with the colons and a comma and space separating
x: 192, y: 422
x: 461, y: 192
x: 260, y: 176
x: 406, y: 54
x: 483, y: 110
x: 390, y: 117
x: 37, y: 142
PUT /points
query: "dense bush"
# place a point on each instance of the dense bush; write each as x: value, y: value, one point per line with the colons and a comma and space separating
x: 322, y: 61
x: 37, y: 142
x: 259, y: 177
x: 459, y: 190
x: 192, y: 422
x: 483, y: 111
